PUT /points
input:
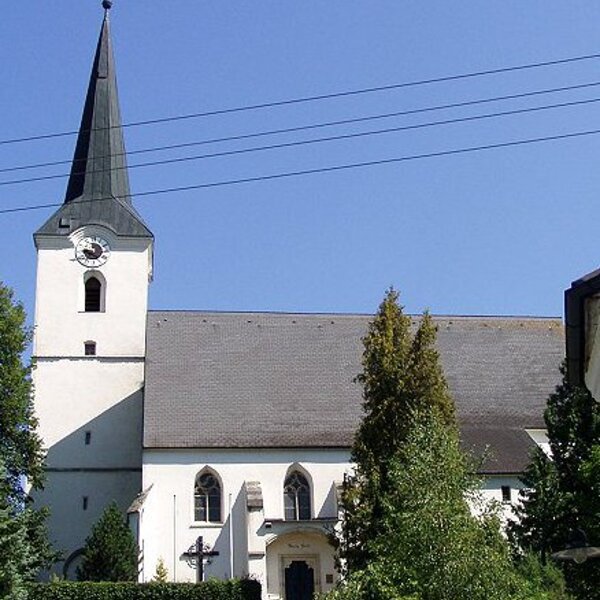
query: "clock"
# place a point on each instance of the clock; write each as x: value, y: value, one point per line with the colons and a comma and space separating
x: 92, y: 251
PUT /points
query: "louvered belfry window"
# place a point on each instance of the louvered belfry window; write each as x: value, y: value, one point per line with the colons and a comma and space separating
x: 207, y: 498
x: 296, y: 496
x: 93, y: 292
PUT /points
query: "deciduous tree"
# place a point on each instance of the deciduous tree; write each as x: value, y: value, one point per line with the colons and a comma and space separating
x: 20, y: 445
x: 24, y: 546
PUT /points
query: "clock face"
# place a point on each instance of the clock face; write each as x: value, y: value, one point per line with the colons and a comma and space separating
x: 92, y: 251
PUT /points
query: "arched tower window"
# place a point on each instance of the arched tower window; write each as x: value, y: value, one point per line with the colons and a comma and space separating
x: 93, y: 295
x: 207, y: 498
x: 296, y: 497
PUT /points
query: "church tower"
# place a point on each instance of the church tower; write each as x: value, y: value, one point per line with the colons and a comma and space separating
x: 94, y: 264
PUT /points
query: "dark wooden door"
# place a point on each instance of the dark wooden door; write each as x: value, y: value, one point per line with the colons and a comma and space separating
x: 299, y: 581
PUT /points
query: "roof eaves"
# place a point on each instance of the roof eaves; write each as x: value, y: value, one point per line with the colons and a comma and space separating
x: 575, y: 296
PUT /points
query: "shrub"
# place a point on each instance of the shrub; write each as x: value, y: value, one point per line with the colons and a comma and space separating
x: 245, y: 589
x: 110, y: 552
x: 162, y: 573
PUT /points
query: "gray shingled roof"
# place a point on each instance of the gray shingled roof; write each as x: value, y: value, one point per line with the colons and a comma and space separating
x: 246, y: 380
x: 98, y: 188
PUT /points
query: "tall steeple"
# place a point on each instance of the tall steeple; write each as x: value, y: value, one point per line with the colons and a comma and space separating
x: 98, y: 188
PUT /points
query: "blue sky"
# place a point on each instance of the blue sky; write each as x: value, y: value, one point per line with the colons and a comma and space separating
x: 494, y: 232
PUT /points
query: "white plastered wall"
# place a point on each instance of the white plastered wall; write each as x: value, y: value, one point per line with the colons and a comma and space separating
x: 89, y: 407
x: 61, y: 325
x: 261, y: 539
x: 168, y: 518
x: 491, y: 490
x: 69, y: 524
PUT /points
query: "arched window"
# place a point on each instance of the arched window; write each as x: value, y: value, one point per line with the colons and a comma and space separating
x: 296, y: 497
x: 93, y: 295
x: 207, y: 498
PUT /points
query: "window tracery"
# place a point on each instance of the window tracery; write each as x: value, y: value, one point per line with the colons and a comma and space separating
x: 296, y: 496
x: 207, y: 498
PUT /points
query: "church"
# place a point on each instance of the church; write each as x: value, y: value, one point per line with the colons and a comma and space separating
x: 225, y: 436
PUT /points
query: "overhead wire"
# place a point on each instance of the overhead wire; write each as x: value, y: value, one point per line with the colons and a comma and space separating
x: 332, y: 168
x: 319, y: 97
x: 294, y: 144
x: 312, y: 126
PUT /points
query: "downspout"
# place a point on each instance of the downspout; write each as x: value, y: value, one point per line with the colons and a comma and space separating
x: 174, y: 538
x: 230, y: 538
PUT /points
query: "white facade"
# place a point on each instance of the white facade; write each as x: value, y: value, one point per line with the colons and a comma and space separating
x: 250, y: 541
x: 89, y: 406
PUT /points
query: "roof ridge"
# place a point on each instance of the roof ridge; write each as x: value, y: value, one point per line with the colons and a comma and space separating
x: 351, y: 314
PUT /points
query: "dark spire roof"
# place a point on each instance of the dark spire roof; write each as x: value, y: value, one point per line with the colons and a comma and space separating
x: 98, y: 189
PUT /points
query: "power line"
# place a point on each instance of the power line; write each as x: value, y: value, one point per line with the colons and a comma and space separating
x: 333, y: 168
x: 315, y: 125
x: 308, y: 142
x: 319, y: 97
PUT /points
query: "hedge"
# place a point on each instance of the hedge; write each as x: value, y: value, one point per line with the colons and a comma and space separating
x: 236, y: 589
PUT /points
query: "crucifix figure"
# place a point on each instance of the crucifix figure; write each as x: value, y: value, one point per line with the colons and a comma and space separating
x: 197, y: 553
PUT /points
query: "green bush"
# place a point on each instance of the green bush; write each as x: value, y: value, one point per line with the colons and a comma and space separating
x: 245, y: 589
x: 110, y: 552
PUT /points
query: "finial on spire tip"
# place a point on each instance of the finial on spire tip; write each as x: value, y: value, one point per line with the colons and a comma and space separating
x: 107, y: 4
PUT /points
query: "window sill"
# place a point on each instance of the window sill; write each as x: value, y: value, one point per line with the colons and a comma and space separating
x: 205, y: 525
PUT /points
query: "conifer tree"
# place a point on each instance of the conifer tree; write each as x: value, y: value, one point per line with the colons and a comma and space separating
x: 110, y: 552
x: 562, y: 493
x: 401, y: 374
x: 408, y: 530
x: 15, y: 556
x: 162, y: 573
x: 15, y: 552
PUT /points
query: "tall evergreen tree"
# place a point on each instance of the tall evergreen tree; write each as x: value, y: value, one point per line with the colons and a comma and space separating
x: 401, y: 374
x: 110, y: 552
x: 408, y: 530
x: 563, y: 492
x: 15, y: 552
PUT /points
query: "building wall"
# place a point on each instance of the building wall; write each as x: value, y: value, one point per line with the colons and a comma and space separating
x: 62, y: 326
x: 491, y: 490
x: 89, y: 407
x: 69, y: 523
x: 261, y: 539
x: 96, y: 395
x: 168, y: 528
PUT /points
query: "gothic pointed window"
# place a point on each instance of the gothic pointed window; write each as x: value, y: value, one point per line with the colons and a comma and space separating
x: 207, y: 498
x: 93, y: 295
x: 296, y: 497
